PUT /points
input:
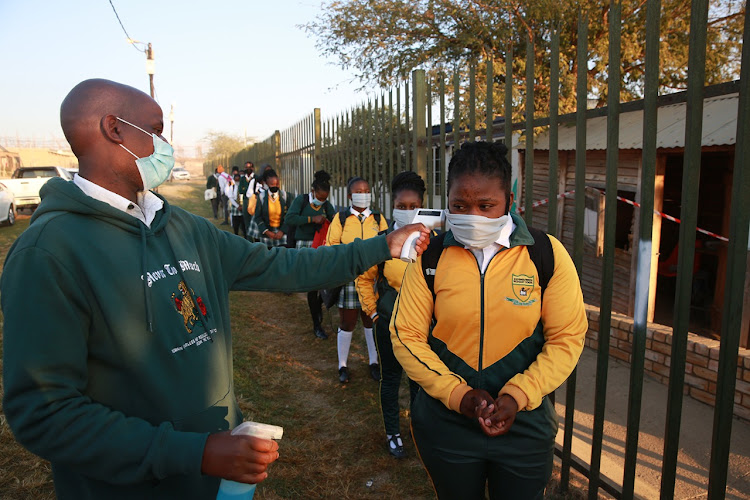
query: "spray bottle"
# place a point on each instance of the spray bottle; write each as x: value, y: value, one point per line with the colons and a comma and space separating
x: 231, y: 490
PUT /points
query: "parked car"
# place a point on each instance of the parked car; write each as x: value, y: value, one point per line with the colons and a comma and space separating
x: 26, y: 182
x: 180, y: 174
x: 7, y: 206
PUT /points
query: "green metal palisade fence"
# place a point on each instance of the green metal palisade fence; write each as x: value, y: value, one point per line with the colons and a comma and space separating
x: 394, y: 132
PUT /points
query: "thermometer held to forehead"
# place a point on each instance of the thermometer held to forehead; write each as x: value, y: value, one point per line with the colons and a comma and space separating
x: 432, y: 219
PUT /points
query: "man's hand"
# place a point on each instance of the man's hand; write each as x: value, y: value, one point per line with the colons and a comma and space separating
x: 318, y: 219
x: 397, y: 238
x: 278, y: 235
x: 477, y: 403
x: 239, y: 458
x: 502, y: 418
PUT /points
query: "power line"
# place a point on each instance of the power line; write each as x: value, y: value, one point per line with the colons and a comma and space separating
x: 130, y: 40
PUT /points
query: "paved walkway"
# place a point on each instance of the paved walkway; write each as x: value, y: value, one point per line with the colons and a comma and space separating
x: 695, y: 435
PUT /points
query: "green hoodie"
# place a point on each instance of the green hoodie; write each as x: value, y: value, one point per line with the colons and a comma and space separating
x: 117, y: 346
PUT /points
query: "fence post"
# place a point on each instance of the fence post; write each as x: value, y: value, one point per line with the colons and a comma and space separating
x: 276, y: 144
x: 489, y: 111
x: 419, y: 112
x: 472, y: 102
x: 318, y: 141
x: 645, y: 252
x: 689, y: 216
x: 731, y: 322
x: 608, y: 264
x: 528, y: 173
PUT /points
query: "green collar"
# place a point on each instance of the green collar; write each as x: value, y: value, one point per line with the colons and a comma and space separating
x: 519, y: 237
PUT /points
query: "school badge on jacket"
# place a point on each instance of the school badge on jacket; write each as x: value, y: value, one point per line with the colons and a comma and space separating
x: 522, y: 285
x: 187, y: 307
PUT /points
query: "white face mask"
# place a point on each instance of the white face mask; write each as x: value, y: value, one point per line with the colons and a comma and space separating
x: 476, y: 231
x: 403, y: 217
x: 361, y: 200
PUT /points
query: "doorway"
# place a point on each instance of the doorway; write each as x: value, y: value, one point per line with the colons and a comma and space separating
x: 710, y: 253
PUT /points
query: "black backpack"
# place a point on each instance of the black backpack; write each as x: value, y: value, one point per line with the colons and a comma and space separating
x: 540, y: 252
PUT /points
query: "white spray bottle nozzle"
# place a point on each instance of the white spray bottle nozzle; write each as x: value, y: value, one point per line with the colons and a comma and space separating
x: 256, y: 429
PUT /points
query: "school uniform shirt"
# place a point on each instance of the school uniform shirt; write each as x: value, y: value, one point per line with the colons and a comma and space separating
x: 224, y: 179
x: 263, y: 209
x: 354, y: 228
x: 492, y: 331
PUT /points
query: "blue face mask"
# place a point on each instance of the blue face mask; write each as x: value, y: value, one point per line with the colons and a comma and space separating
x: 317, y: 202
x: 154, y: 169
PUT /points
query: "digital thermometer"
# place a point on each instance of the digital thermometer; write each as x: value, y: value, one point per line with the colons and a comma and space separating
x: 432, y: 219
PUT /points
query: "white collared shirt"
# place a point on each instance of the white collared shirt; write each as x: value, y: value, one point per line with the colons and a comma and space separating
x: 145, y: 210
x: 365, y: 212
x: 484, y: 255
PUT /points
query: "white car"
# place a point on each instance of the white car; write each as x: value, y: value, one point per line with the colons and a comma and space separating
x: 26, y: 182
x: 7, y: 206
x: 180, y: 174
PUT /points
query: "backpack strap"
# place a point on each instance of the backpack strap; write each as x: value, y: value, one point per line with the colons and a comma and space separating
x: 344, y: 214
x: 430, y: 258
x: 542, y: 256
x: 381, y: 266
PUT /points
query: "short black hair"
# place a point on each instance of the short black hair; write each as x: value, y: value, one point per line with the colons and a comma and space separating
x: 408, y: 181
x: 352, y: 181
x: 484, y: 158
x: 235, y: 168
x: 251, y: 163
x: 321, y: 181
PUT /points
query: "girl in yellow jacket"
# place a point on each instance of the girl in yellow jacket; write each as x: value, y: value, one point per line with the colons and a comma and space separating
x: 358, y: 222
x: 377, y: 289
x: 486, y: 343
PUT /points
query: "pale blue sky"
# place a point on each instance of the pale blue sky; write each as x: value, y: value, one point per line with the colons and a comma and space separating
x: 226, y: 65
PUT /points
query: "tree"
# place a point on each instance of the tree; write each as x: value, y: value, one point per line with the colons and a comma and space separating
x: 384, y: 40
x: 222, y: 144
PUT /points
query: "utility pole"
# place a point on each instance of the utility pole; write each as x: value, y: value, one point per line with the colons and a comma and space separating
x: 150, y: 68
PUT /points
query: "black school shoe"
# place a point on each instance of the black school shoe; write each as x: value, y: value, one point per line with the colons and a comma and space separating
x: 320, y: 333
x: 343, y: 374
x: 396, y: 446
x: 375, y: 372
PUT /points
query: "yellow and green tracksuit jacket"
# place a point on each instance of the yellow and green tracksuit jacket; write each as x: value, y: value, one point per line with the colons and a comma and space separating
x: 492, y: 331
x: 354, y: 229
x: 377, y: 294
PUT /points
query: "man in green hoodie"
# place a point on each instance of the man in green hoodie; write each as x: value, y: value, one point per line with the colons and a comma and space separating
x: 117, y: 347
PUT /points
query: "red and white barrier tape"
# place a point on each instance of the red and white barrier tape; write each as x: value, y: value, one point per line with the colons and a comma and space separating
x: 629, y: 202
x: 545, y: 201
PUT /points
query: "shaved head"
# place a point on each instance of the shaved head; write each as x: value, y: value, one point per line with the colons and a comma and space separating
x: 84, y: 106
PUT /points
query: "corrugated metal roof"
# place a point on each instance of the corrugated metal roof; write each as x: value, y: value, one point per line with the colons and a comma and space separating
x: 719, y: 127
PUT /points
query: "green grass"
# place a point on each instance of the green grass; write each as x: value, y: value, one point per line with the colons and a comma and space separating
x: 334, y: 443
